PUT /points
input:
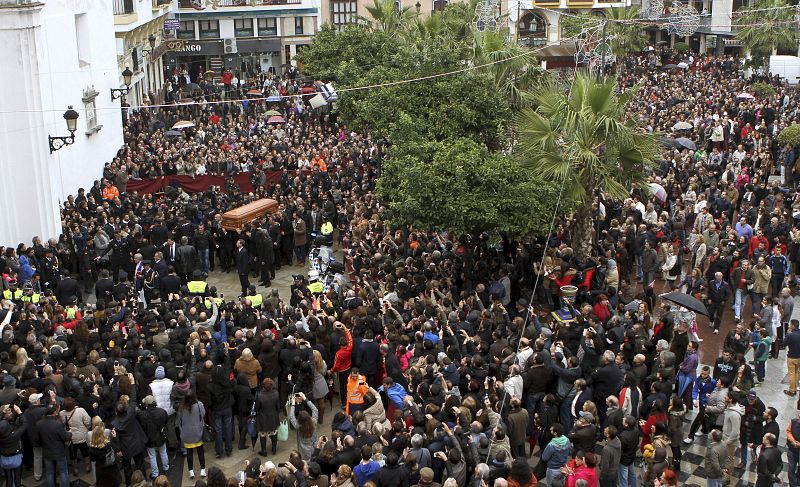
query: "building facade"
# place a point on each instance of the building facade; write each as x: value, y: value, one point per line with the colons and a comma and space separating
x: 139, y: 31
x: 339, y: 13
x: 55, y: 54
x: 247, y: 36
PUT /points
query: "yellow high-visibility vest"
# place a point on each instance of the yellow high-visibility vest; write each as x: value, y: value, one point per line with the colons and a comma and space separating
x: 316, y: 287
x: 33, y: 298
x: 256, y: 300
x: 327, y: 228
x: 16, y: 296
x: 197, y: 287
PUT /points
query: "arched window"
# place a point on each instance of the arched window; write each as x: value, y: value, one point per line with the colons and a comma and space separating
x: 532, y: 29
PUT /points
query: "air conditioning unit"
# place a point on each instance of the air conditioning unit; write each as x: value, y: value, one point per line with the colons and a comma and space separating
x: 229, y: 46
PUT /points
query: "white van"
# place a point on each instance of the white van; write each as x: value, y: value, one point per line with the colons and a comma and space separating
x: 787, y: 67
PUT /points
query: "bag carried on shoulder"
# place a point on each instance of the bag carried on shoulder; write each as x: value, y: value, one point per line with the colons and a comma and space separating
x: 111, y: 457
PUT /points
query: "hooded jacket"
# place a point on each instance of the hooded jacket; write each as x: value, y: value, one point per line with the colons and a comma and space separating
x: 732, y: 422
x: 557, y: 452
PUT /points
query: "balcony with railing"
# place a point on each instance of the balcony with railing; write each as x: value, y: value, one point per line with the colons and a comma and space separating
x: 225, y: 4
x: 159, y: 4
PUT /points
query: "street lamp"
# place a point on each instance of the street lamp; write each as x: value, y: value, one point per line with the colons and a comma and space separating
x: 71, y: 117
x: 151, y: 40
x: 127, y: 76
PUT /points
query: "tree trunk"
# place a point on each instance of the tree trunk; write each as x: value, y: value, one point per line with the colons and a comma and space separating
x: 582, y: 232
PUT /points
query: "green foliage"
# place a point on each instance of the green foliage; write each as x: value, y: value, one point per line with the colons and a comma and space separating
x: 464, y: 105
x: 790, y: 135
x: 346, y: 56
x: 626, y: 37
x: 444, y: 133
x: 587, y: 138
x: 762, y: 90
x: 385, y: 16
x: 459, y: 186
x: 681, y: 46
x: 764, y: 31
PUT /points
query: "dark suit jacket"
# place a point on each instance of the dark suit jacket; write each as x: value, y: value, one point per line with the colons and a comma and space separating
x: 242, y: 261
x: 367, y: 356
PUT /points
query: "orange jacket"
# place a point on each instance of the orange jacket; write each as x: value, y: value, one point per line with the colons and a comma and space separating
x: 110, y: 192
x: 356, y: 389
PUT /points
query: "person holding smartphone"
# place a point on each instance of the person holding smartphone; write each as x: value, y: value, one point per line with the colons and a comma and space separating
x: 305, y: 424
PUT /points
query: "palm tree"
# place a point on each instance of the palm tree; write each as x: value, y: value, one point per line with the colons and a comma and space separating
x: 386, y: 16
x: 587, y: 138
x: 515, y: 69
x: 626, y: 35
x: 767, y: 26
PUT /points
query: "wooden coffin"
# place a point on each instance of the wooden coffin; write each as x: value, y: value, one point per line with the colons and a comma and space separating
x: 237, y: 218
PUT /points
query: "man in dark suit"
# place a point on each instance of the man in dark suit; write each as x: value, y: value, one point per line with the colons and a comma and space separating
x: 170, y: 284
x: 170, y: 251
x: 367, y: 355
x: 160, y: 265
x: 104, y: 287
x: 243, y: 266
x: 68, y: 288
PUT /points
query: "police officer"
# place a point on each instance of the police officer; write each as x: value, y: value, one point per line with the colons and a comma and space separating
x: 327, y: 232
x: 150, y: 282
x: 212, y: 298
x: 315, y: 287
x: 12, y: 293
x: 29, y: 295
x: 256, y: 299
x: 197, y: 286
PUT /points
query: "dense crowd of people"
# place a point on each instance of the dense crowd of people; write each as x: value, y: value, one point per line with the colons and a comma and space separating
x: 451, y: 360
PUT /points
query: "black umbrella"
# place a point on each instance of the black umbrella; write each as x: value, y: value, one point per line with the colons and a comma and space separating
x: 670, y: 143
x: 686, y: 143
x: 686, y: 300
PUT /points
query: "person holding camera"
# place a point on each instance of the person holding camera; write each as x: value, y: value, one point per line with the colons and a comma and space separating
x: 305, y: 424
x: 12, y: 426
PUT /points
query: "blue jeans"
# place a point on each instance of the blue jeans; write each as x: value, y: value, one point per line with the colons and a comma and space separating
x: 223, y: 424
x: 553, y: 474
x: 792, y: 455
x: 50, y: 465
x: 714, y: 483
x: 205, y: 263
x: 739, y: 299
x: 627, y: 475
x: 761, y: 370
x: 154, y: 452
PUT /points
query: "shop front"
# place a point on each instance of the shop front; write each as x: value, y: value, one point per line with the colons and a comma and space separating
x: 198, y: 57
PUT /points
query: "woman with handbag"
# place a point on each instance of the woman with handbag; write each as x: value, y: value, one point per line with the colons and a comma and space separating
x: 268, y: 409
x: 79, y: 423
x: 244, y: 406
x: 104, y: 456
x: 193, y: 429
x: 12, y: 427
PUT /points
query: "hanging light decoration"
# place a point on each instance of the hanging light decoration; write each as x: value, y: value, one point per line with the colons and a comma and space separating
x: 486, y: 15
x: 683, y: 19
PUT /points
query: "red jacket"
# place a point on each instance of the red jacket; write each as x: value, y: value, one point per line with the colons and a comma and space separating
x: 342, y: 361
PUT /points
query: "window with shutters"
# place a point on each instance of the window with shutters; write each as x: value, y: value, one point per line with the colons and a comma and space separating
x: 343, y: 13
x: 267, y: 27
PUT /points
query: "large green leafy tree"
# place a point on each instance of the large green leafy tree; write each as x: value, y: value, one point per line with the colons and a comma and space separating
x: 460, y: 186
x: 444, y: 168
x: 766, y: 26
x: 586, y: 138
x: 386, y: 17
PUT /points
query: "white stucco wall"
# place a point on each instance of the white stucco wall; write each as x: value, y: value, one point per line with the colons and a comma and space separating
x: 41, y: 76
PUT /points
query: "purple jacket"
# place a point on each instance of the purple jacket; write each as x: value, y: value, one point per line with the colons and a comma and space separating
x: 689, y: 364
